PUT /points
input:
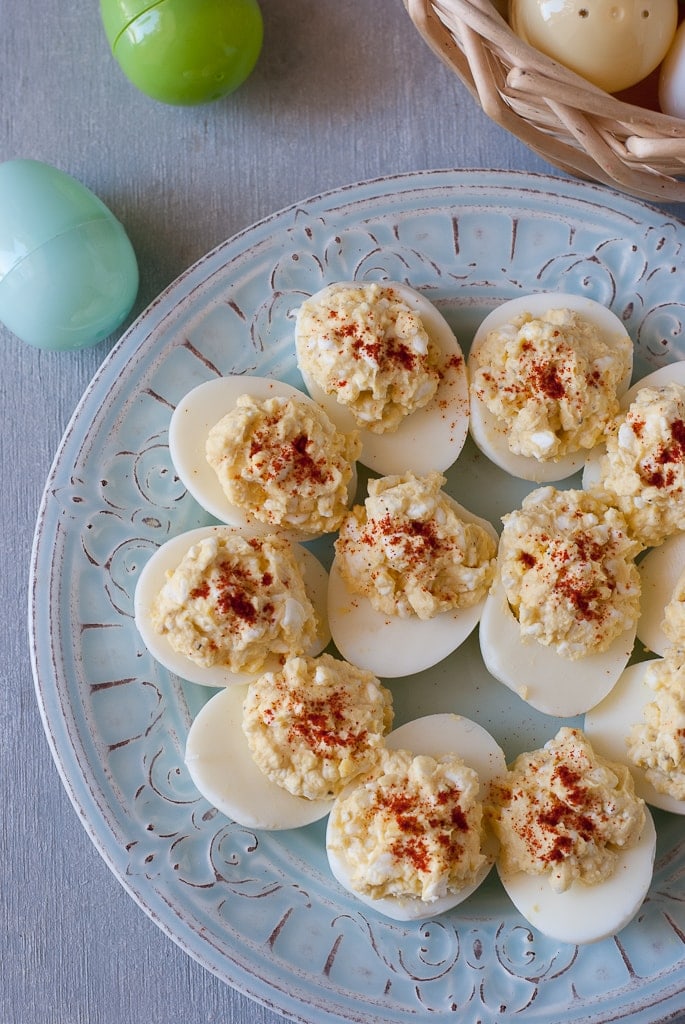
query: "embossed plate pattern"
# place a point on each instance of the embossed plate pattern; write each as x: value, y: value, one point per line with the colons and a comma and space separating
x: 261, y: 911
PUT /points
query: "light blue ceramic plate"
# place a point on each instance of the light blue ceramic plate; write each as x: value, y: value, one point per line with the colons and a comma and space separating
x: 261, y: 911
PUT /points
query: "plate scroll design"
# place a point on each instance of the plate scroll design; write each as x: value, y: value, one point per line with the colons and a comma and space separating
x: 260, y: 910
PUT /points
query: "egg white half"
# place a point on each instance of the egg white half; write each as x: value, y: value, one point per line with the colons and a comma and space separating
x: 152, y: 579
x: 609, y: 723
x: 587, y: 913
x: 672, y: 372
x: 220, y: 764
x: 430, y: 438
x: 194, y: 416
x: 544, y: 679
x: 487, y: 432
x: 659, y: 571
x: 391, y: 646
x: 433, y: 736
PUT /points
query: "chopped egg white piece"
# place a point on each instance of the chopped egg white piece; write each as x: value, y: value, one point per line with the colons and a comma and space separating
x: 611, y: 722
x: 556, y: 399
x: 472, y: 759
x: 280, y: 475
x: 431, y: 436
x: 166, y: 560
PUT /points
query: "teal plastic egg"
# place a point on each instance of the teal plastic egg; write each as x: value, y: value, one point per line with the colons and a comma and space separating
x: 184, y: 52
x: 68, y: 272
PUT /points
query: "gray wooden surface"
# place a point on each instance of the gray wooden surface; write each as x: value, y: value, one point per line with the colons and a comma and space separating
x: 344, y: 90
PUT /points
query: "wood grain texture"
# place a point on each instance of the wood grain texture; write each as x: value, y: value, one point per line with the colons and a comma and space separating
x: 344, y: 90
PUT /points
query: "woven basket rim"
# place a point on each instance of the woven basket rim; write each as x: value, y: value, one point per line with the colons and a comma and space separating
x: 571, y: 123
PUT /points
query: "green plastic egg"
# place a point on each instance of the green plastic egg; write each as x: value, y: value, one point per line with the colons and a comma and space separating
x: 184, y: 52
x: 68, y: 272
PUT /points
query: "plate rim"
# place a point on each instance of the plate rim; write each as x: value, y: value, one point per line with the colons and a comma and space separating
x: 134, y: 338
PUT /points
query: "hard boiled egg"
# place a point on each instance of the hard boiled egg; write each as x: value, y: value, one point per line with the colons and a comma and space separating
x: 490, y: 434
x: 433, y: 736
x: 660, y: 570
x: 671, y: 372
x: 593, y: 38
x: 609, y: 723
x: 588, y: 913
x: 543, y: 678
x: 193, y: 418
x: 221, y: 766
x: 152, y: 578
x: 391, y: 645
x: 430, y: 438
x: 672, y: 77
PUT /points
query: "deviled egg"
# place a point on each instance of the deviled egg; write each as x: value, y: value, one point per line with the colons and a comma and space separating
x: 258, y: 453
x: 546, y: 373
x: 410, y: 574
x: 559, y: 624
x: 217, y: 605
x: 642, y: 464
x: 382, y: 359
x: 577, y: 844
x: 408, y: 837
x: 642, y: 723
x: 662, y: 575
x: 274, y: 753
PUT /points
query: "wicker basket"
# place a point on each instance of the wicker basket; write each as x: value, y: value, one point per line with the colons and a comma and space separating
x: 562, y: 117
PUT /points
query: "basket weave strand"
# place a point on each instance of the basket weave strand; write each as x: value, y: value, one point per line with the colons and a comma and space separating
x: 566, y: 120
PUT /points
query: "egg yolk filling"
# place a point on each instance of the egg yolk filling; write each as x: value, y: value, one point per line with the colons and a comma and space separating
x: 408, y: 550
x: 235, y: 600
x: 567, y: 565
x: 673, y: 623
x: 643, y: 470
x: 410, y: 828
x: 657, y: 743
x: 365, y: 346
x: 316, y: 724
x: 565, y: 813
x: 284, y: 463
x: 551, y: 382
